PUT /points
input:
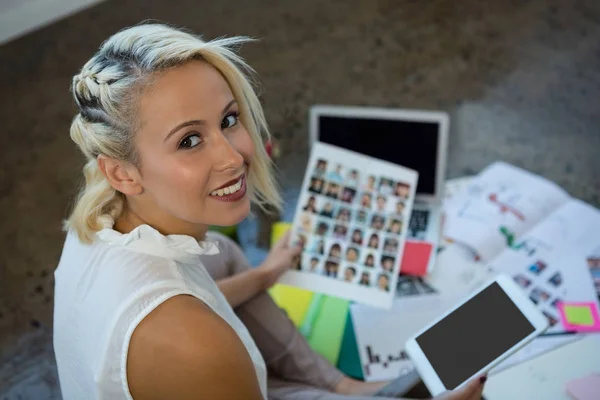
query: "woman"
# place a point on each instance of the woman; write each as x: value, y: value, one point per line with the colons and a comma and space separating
x: 173, y: 136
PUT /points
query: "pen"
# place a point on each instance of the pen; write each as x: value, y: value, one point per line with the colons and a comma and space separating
x: 558, y: 333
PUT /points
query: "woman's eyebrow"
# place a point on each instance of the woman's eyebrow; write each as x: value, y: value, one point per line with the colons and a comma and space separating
x: 197, y: 121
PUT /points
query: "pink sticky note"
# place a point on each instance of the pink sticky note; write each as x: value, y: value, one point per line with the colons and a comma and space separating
x: 579, y: 316
x: 415, y: 258
x: 584, y: 388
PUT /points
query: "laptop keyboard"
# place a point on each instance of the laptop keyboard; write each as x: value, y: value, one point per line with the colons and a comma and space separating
x: 417, y: 227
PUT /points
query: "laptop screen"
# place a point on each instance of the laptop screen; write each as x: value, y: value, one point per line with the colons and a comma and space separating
x: 412, y: 144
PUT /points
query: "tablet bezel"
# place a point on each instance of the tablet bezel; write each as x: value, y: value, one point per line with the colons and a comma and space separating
x: 534, y: 316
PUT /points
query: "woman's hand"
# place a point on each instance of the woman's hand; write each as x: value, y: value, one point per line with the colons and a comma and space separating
x: 280, y: 259
x: 471, y: 391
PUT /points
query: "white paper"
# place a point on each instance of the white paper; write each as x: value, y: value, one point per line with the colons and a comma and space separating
x: 550, y: 261
x: 500, y: 204
x: 382, y: 334
x: 535, y: 348
x: 545, y: 377
x: 353, y: 240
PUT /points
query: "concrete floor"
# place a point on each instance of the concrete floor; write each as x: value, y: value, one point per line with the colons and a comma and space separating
x: 520, y: 78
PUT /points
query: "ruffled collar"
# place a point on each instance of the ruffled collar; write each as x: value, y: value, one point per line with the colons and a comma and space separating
x: 145, y: 239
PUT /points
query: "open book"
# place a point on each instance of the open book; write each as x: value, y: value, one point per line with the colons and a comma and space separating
x: 528, y: 227
x: 351, y: 220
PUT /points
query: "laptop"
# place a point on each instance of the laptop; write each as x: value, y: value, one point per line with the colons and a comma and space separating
x: 410, y: 138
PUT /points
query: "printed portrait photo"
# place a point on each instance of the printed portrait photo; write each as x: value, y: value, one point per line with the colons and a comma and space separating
x: 556, y: 279
x: 336, y: 174
x: 402, y: 190
x: 373, y: 241
x: 381, y: 204
x: 357, y: 237
x: 340, y: 231
x: 369, y: 260
x: 538, y: 295
x: 335, y: 250
x: 361, y: 216
x: 386, y: 186
x: 306, y: 222
x: 317, y: 246
x: 320, y: 168
x: 555, y: 302
x: 365, y: 279
x: 348, y: 195
x: 390, y: 245
x: 370, y: 184
x: 314, y: 264
x: 538, y: 267
x: 310, y: 205
x: 328, y: 209
x: 331, y: 268
x: 387, y: 263
x: 343, y: 215
x: 383, y: 282
x: 353, y: 178
x: 377, y: 222
x: 316, y: 185
x: 332, y: 190
x: 349, y: 274
x: 352, y: 254
x: 366, y: 200
x: 522, y: 281
x: 395, y: 226
x: 399, y: 209
x: 322, y: 228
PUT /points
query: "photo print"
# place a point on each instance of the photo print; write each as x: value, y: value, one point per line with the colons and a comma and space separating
x: 349, y: 222
x: 328, y: 209
x: 350, y: 273
x: 357, y: 237
x: 316, y: 185
x: 538, y: 267
x: 522, y: 281
x: 556, y: 279
x: 353, y: 179
x: 370, y: 185
x: 402, y: 190
x: 383, y: 282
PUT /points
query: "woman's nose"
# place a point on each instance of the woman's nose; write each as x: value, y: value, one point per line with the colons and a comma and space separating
x: 226, y: 155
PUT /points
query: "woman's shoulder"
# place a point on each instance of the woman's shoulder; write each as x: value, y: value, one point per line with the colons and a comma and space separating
x: 205, y: 357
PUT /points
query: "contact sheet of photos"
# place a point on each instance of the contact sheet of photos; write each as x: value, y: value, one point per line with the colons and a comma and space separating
x: 351, y: 222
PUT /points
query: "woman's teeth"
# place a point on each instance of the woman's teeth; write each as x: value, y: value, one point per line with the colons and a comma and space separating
x: 228, y: 190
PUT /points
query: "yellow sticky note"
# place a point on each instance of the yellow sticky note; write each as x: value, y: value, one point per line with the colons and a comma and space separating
x: 579, y: 315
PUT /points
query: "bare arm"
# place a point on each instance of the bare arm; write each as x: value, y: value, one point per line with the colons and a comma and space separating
x: 183, y: 350
x: 240, y: 288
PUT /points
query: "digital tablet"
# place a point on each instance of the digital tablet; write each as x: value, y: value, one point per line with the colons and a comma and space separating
x: 474, y: 336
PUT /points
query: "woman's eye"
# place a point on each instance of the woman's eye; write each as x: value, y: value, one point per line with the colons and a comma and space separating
x: 230, y: 120
x: 190, y: 142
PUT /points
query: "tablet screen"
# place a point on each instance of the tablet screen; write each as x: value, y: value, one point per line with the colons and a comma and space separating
x: 474, y: 335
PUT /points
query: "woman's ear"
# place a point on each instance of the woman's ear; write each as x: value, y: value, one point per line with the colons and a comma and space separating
x: 122, y: 176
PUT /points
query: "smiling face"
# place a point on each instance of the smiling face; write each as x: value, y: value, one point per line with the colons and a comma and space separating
x: 195, y: 153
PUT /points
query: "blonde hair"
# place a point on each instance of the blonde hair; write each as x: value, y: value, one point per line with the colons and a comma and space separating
x: 105, y: 91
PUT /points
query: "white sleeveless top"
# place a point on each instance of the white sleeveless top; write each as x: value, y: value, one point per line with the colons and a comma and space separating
x: 104, y: 290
